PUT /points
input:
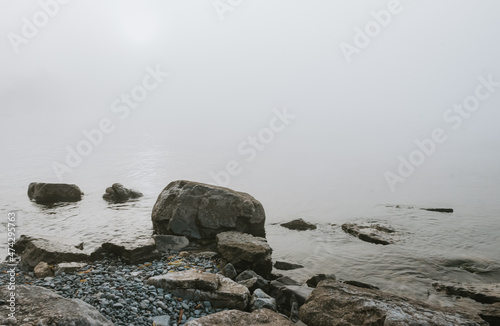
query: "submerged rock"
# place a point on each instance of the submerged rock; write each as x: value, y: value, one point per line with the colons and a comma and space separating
x: 38, y: 306
x: 440, y: 210
x: 236, y: 317
x: 299, y: 225
x: 480, y: 292
x: 201, y: 211
x: 334, y: 303
x: 245, y: 251
x: 373, y: 233
x: 119, y: 194
x: 50, y: 193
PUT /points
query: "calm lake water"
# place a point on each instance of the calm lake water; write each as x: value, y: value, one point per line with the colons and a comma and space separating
x: 292, y: 179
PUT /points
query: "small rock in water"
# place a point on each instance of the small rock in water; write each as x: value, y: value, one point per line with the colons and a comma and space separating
x: 313, y: 281
x: 440, y: 210
x: 299, y: 225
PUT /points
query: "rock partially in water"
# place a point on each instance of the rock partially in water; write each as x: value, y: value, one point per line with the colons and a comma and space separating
x: 334, y: 303
x: 51, y: 252
x: 201, y: 211
x: 361, y: 285
x: 24, y: 239
x: 165, y: 243
x: 236, y: 317
x: 439, y: 210
x: 220, y: 291
x: 119, y: 194
x: 38, y: 306
x: 285, y: 266
x: 131, y: 251
x: 480, y: 292
x: 313, y: 281
x: 299, y: 225
x: 50, y: 193
x: 245, y: 251
x: 373, y: 233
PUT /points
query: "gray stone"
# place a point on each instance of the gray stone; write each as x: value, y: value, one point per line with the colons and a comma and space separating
x: 50, y: 193
x: 439, y: 210
x: 334, y: 303
x: 42, y: 270
x: 229, y: 271
x: 201, y: 211
x: 261, y: 300
x: 164, y: 243
x: 51, y: 252
x: 299, y: 225
x: 68, y: 268
x: 245, y: 251
x: 38, y: 306
x: 480, y: 292
x: 131, y: 251
x: 236, y: 317
x: 252, y: 281
x: 491, y: 314
x: 118, y: 193
x: 161, y: 320
x: 373, y: 233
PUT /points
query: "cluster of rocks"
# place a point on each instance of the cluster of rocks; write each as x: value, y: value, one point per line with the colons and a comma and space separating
x: 224, y: 276
x: 51, y: 193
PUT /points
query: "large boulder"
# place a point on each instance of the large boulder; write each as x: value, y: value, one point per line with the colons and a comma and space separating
x: 49, y: 193
x: 51, y: 252
x: 334, y: 303
x: 118, y: 193
x: 220, y: 291
x: 36, y: 305
x: 201, y: 211
x: 236, y: 317
x: 245, y: 251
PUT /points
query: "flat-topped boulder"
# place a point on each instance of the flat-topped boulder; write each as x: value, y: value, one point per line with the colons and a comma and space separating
x: 52, y: 252
x: 370, y: 232
x: 236, y: 317
x: 117, y: 193
x: 165, y: 243
x: 190, y: 279
x: 130, y: 251
x: 480, y: 292
x: 334, y: 303
x: 220, y: 291
x: 36, y: 305
x: 50, y: 193
x: 201, y: 211
x: 245, y: 251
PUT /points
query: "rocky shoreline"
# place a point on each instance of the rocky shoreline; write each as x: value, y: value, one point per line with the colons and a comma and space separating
x: 208, y: 263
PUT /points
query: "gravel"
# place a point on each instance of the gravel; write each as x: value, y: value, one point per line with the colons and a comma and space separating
x: 120, y: 292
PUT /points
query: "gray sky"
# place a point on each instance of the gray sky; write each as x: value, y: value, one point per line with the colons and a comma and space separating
x: 226, y: 76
